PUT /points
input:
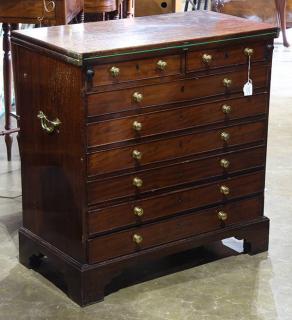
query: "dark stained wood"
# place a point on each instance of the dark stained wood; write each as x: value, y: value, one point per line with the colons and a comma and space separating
x: 136, y: 70
x: 86, y: 284
x: 121, y: 243
x: 166, y: 149
x: 100, y: 191
x: 78, y: 193
x: 183, y: 90
x: 107, y: 219
x: 221, y: 56
x: 121, y: 129
x: 52, y: 164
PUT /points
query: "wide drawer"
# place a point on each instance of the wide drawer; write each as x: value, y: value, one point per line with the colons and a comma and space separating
x: 145, y: 210
x: 177, y: 91
x: 145, y: 125
x: 117, y: 159
x: 100, y: 191
x: 136, y: 239
x: 119, y: 72
x: 225, y: 56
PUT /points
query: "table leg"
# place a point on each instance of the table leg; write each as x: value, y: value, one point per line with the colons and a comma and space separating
x: 130, y: 8
x: 7, y: 79
x: 281, y: 8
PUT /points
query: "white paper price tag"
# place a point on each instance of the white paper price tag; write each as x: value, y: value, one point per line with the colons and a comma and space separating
x: 248, y: 88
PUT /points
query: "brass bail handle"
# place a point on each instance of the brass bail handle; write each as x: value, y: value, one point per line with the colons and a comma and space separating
x: 48, y: 125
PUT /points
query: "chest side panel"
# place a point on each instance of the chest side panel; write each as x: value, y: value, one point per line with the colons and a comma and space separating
x: 52, y: 162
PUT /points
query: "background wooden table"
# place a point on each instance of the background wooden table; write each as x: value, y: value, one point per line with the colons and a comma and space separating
x: 13, y: 12
x: 272, y: 11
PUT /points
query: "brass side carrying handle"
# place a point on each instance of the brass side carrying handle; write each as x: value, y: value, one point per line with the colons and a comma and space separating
x: 48, y: 125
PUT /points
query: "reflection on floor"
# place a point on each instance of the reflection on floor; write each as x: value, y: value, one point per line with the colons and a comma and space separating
x: 235, y: 287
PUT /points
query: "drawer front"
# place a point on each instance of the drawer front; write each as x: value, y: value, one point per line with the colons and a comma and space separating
x: 100, y: 191
x: 136, y: 70
x: 124, y: 215
x: 140, y: 126
x: 169, y: 149
x: 136, y: 239
x: 177, y: 91
x: 225, y: 56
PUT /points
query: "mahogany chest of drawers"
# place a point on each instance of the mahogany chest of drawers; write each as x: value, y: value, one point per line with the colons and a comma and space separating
x: 137, y: 141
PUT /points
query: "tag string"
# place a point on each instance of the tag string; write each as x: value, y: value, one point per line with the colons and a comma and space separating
x: 248, y: 70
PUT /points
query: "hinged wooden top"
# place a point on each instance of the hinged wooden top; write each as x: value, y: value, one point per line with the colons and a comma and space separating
x: 82, y: 43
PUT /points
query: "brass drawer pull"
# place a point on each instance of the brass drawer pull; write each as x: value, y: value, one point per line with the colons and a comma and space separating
x: 225, y: 136
x: 137, y: 126
x: 137, y: 182
x: 224, y: 190
x: 137, y: 238
x: 137, y: 155
x: 222, y: 215
x: 138, y: 211
x: 207, y: 58
x: 227, y: 82
x: 48, y: 125
x: 115, y: 71
x: 248, y: 52
x: 137, y: 97
x: 161, y: 65
x: 224, y: 163
x: 226, y: 109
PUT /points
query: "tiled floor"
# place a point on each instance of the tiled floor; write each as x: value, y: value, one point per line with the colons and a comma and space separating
x: 239, y: 287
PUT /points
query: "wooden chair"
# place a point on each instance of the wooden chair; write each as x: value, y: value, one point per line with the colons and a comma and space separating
x: 196, y: 4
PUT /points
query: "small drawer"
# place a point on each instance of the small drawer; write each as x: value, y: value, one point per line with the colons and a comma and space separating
x: 225, y: 56
x: 136, y: 156
x: 140, y: 126
x: 136, y: 70
x: 149, y: 209
x: 100, y: 191
x: 184, y: 226
x: 109, y: 102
